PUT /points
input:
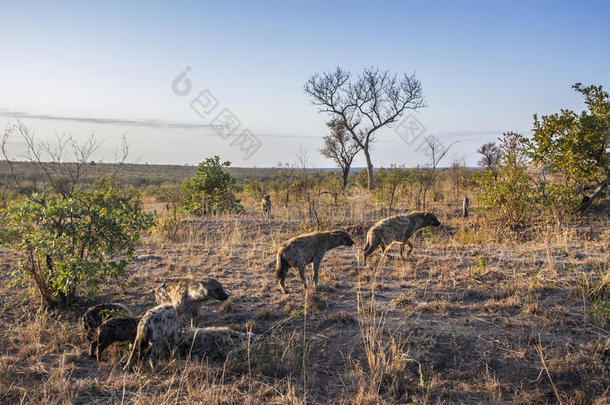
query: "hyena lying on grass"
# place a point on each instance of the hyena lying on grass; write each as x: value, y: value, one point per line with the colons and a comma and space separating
x: 113, y: 330
x: 97, y: 314
x: 187, y: 294
x: 215, y: 342
x: 398, y: 228
x: 304, y: 249
x: 266, y: 205
x: 157, y: 333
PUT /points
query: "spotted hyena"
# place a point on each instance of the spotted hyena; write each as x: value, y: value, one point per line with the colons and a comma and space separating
x: 187, y: 294
x: 214, y: 342
x: 157, y: 333
x: 97, y: 314
x: 398, y: 228
x: 304, y: 249
x: 266, y: 205
x: 111, y: 331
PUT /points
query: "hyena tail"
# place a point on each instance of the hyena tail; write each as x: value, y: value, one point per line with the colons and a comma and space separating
x: 136, y: 349
x: 281, y: 267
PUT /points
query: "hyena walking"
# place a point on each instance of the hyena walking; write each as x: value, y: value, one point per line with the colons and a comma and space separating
x: 266, y: 205
x: 157, y: 333
x: 304, y: 249
x: 398, y: 228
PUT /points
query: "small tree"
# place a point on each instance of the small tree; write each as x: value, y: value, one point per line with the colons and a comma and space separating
x: 576, y: 145
x: 389, y: 182
x: 427, y: 176
x: 340, y: 147
x: 491, y: 155
x: 68, y: 235
x: 212, y: 189
x: 375, y: 99
x: 333, y: 184
x: 168, y: 227
x: 459, y: 178
x: 508, y: 198
x: 361, y: 179
x: 65, y: 242
x: 173, y: 196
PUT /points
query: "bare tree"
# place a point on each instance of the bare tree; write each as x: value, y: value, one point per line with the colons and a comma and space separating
x: 340, y: 147
x: 458, y: 176
x: 57, y: 268
x: 307, y: 185
x: 373, y: 100
x: 59, y: 166
x: 427, y: 176
x: 491, y: 156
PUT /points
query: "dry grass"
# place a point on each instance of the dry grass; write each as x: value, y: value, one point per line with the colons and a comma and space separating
x: 475, y: 315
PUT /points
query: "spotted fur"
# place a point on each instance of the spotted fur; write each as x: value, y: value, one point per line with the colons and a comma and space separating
x: 304, y: 249
x: 266, y: 205
x: 398, y: 228
x: 214, y: 342
x: 187, y: 294
x: 157, y: 334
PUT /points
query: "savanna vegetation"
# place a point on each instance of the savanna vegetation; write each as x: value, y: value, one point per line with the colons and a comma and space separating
x: 509, y: 304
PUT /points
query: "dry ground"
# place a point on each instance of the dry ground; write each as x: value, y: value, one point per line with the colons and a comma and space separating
x: 473, y: 316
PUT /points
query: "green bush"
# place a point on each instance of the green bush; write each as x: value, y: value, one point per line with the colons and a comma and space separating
x: 572, y: 147
x: 508, y: 195
x: 64, y: 243
x: 576, y: 145
x: 389, y: 183
x: 211, y: 190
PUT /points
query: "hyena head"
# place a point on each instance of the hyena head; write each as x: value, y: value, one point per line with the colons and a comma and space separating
x: 214, y: 289
x: 342, y: 238
x: 431, y: 220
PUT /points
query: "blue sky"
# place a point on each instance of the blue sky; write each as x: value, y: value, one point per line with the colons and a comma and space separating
x: 486, y: 67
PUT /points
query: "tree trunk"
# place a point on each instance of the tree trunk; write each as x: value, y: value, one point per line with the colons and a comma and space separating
x: 369, y: 169
x: 587, y: 201
x: 345, y: 174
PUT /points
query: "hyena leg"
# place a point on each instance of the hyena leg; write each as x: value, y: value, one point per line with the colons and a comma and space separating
x: 282, y: 277
x: 301, y: 269
x: 134, y: 356
x: 402, y: 247
x: 282, y: 285
x: 171, y: 343
x: 410, y: 247
x: 154, y: 354
x: 368, y: 250
x: 92, y: 348
x: 316, y: 267
x: 100, y: 349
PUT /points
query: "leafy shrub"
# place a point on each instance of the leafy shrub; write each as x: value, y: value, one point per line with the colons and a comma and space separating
x: 79, y: 240
x: 212, y: 189
x: 507, y: 195
x: 576, y: 145
x: 361, y: 179
x: 389, y: 182
x: 508, y: 199
x: 169, y: 229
